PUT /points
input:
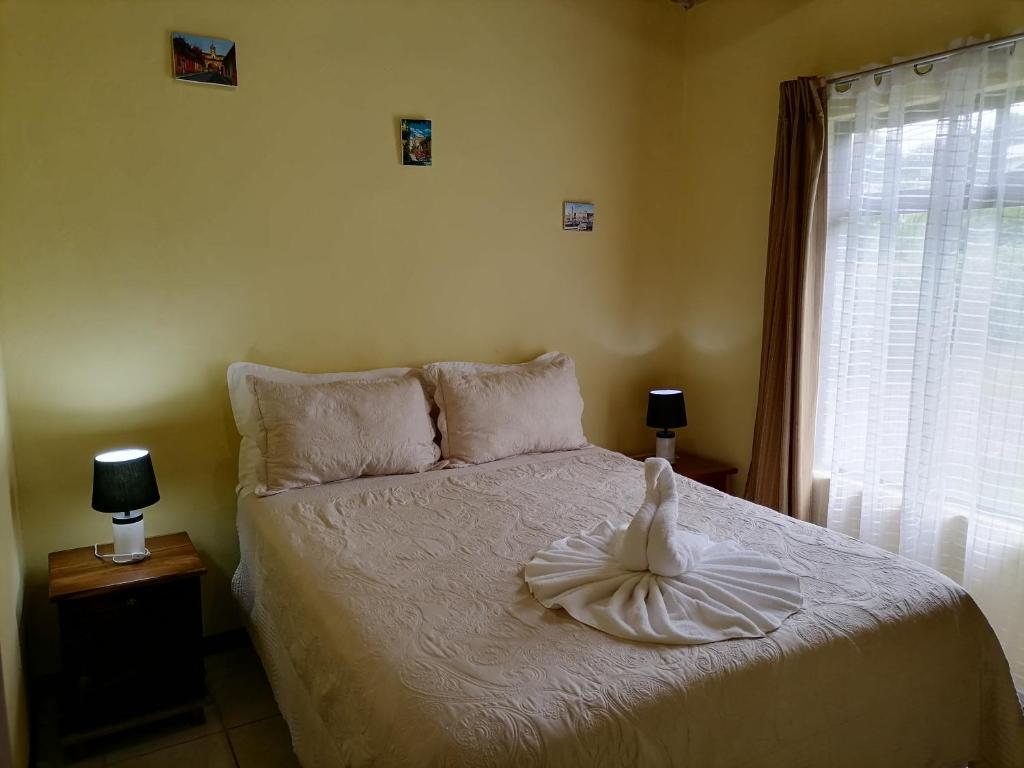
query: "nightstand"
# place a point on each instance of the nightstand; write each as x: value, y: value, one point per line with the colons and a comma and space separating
x: 130, y: 637
x: 703, y: 470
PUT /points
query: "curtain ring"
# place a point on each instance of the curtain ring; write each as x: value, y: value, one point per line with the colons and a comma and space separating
x: 924, y: 69
x: 878, y: 79
x: 844, y: 86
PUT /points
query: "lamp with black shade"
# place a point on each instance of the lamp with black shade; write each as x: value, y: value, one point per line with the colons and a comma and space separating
x: 123, y: 483
x: 666, y: 410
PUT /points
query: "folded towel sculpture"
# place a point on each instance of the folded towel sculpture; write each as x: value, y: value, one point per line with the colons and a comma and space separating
x: 655, y: 582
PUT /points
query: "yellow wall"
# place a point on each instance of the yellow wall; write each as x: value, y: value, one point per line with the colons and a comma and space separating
x: 13, y: 692
x: 736, y: 53
x: 153, y: 231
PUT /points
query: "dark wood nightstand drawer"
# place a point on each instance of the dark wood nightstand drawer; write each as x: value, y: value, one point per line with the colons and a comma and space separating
x: 161, y: 613
x: 130, y: 636
x: 130, y: 652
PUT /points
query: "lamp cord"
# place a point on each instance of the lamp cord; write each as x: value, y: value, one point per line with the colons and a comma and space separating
x: 134, y: 557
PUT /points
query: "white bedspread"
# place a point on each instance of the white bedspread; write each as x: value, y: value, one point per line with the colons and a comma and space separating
x: 397, y: 630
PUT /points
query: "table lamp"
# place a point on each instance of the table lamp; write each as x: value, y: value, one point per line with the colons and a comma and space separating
x: 123, y: 482
x: 666, y: 410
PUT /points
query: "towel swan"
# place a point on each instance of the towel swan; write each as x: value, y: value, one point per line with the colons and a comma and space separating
x: 653, y: 581
x: 649, y: 543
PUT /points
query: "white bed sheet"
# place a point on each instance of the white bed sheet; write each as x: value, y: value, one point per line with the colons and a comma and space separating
x: 396, y: 628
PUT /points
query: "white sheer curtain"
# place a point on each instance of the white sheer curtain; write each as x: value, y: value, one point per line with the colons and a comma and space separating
x: 920, y: 424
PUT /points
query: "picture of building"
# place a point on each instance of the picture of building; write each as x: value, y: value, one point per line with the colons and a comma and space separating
x: 416, y: 142
x: 200, y: 59
x: 578, y: 216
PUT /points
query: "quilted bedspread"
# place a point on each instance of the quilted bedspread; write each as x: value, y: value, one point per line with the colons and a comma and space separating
x: 397, y: 630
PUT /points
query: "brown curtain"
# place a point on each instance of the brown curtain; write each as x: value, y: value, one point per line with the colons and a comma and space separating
x: 780, y: 466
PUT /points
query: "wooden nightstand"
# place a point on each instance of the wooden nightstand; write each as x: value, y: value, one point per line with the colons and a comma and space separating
x: 703, y: 470
x: 130, y: 637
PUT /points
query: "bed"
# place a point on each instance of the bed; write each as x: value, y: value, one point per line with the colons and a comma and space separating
x: 396, y: 629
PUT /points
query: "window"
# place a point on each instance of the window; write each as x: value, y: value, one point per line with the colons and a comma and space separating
x: 920, y: 424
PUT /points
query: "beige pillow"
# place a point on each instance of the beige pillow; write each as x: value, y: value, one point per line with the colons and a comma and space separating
x: 432, y: 371
x: 320, y: 432
x: 251, y: 463
x: 487, y: 415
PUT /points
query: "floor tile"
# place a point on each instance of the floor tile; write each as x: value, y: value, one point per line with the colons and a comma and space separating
x: 242, y: 694
x: 266, y: 744
x: 56, y: 759
x: 208, y: 752
x: 166, y: 733
x: 231, y: 662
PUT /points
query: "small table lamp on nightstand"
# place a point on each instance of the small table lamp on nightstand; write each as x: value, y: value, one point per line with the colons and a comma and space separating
x: 666, y: 410
x: 123, y: 483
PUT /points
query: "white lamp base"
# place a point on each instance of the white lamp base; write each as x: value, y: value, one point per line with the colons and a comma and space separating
x: 129, y: 539
x: 665, y: 447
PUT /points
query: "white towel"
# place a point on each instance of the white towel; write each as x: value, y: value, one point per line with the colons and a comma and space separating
x: 655, y: 582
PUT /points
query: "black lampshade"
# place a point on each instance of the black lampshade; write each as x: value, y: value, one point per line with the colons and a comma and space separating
x: 123, y: 481
x: 666, y: 409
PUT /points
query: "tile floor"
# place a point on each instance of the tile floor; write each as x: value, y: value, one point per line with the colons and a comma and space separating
x: 243, y: 728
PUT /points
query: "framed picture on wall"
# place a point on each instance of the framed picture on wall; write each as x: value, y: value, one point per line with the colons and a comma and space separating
x: 201, y: 59
x: 416, y: 135
x: 578, y: 217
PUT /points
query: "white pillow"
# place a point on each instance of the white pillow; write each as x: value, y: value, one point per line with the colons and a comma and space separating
x: 251, y: 466
x: 488, y: 412
x: 431, y: 371
x: 321, y: 432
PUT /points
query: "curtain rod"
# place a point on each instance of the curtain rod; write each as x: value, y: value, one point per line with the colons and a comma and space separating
x: 998, y: 43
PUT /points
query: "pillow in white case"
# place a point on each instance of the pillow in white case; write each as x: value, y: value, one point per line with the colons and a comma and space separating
x: 322, y: 432
x: 432, y: 371
x: 491, y: 412
x: 251, y: 467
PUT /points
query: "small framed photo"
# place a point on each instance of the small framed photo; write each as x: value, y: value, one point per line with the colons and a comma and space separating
x: 416, y: 142
x: 201, y: 59
x: 578, y: 217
